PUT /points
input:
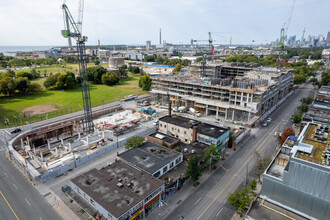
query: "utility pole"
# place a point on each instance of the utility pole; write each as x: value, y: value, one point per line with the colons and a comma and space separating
x: 246, y: 176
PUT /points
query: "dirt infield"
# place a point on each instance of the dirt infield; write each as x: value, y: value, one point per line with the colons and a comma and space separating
x: 38, y: 109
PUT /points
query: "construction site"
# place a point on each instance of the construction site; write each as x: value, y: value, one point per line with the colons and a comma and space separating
x: 235, y: 94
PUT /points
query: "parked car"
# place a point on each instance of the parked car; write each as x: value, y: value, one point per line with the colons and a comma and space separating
x: 66, y: 188
x: 269, y: 120
x: 264, y: 124
x: 17, y: 130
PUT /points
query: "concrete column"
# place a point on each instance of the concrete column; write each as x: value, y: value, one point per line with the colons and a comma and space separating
x: 249, y: 115
x: 103, y: 134
x: 233, y: 115
x: 28, y: 141
x: 56, y: 153
x: 62, y: 142
x: 22, y: 144
x: 79, y: 137
x: 217, y: 112
x: 42, y: 156
x: 70, y: 148
x: 87, y: 140
x: 226, y: 113
x: 207, y: 110
x: 48, y: 143
x: 34, y: 150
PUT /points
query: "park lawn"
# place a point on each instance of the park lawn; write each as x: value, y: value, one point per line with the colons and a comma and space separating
x: 68, y: 100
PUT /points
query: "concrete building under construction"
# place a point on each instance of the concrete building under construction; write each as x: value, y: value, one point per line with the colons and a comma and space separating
x: 238, y: 96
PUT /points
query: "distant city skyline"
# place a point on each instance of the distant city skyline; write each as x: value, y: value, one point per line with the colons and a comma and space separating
x: 135, y: 22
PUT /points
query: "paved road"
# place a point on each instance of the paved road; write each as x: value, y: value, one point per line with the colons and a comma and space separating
x: 18, y: 198
x: 209, y: 200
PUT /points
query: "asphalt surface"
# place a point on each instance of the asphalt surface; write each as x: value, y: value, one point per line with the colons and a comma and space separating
x: 18, y: 198
x: 210, y: 199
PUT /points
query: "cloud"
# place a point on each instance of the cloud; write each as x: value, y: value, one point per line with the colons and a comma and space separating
x: 133, y: 22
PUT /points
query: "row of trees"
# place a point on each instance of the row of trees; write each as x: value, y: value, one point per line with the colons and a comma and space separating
x: 167, y: 61
x: 296, y: 118
x: 10, y: 84
x: 8, y: 61
x: 62, y: 81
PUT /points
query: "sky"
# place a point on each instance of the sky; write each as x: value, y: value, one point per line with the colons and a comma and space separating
x: 39, y: 22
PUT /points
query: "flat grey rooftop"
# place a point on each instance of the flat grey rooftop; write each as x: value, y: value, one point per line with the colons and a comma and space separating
x: 166, y: 138
x: 101, y: 186
x: 202, y: 128
x: 149, y: 157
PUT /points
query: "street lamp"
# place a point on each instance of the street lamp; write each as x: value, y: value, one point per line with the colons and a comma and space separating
x: 15, y: 120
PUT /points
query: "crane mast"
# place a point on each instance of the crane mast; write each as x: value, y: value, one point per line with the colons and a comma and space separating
x: 73, y: 29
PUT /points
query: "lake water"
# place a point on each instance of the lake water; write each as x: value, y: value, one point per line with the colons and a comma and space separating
x: 11, y: 50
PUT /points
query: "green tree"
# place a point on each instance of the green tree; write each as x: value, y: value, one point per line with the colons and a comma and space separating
x: 193, y: 170
x: 7, y: 86
x: 160, y: 60
x: 33, y: 88
x: 240, y: 199
x: 149, y: 59
x: 299, y: 79
x: 21, y: 84
x: 50, y: 82
x: 123, y: 70
x: 231, y: 140
x: 95, y: 74
x: 97, y: 62
x: 134, y: 142
x: 314, y: 81
x: 110, y: 78
x: 34, y: 74
x: 146, y: 82
x: 177, y: 68
x: 297, y: 118
x: 261, y: 163
x: 211, y: 152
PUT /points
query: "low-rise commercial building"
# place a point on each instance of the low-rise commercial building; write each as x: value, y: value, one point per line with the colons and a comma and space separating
x: 188, y: 131
x: 119, y: 191
x: 298, y: 178
x: 152, y: 158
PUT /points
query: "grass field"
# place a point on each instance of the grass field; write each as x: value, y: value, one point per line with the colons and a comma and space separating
x: 66, y: 101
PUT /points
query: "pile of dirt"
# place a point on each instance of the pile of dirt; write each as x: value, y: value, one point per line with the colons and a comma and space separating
x: 38, y: 109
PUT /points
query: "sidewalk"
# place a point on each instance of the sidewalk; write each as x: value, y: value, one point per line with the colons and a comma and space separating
x: 186, y: 190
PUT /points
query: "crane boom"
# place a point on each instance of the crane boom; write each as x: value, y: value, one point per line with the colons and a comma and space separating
x: 73, y: 29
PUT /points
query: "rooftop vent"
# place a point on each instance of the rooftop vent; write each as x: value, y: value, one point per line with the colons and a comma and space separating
x: 221, y: 130
x: 128, y: 184
x: 159, y: 136
x: 137, y: 191
x: 89, y: 181
x: 185, y: 150
x: 120, y: 185
x: 119, y: 180
x: 192, y: 151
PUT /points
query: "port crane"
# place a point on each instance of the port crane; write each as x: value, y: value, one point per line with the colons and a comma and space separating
x: 74, y: 30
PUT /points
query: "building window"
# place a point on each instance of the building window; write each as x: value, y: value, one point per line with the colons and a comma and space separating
x: 171, y: 164
x: 178, y: 160
x: 165, y: 169
x: 179, y: 130
x: 157, y: 174
x: 160, y: 125
x: 185, y: 132
x: 172, y: 129
x: 78, y: 190
x: 164, y: 126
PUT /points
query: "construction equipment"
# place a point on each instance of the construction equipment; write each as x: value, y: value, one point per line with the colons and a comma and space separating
x: 210, y: 41
x: 284, y: 29
x: 74, y: 30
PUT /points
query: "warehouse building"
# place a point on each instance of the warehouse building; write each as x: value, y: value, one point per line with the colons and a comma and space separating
x: 238, y: 99
x: 298, y: 178
x: 152, y: 158
x: 119, y: 191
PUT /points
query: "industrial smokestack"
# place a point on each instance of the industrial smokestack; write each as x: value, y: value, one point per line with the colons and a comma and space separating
x: 160, y: 36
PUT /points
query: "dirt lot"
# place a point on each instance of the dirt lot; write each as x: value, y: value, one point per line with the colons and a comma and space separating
x: 38, y: 109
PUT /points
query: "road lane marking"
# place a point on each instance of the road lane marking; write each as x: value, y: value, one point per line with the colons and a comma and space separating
x: 40, y: 218
x: 7, y: 132
x: 9, y: 205
x: 218, y: 195
x: 6, y: 174
x: 219, y: 212
x: 15, y: 186
x: 197, y: 201
x: 27, y: 202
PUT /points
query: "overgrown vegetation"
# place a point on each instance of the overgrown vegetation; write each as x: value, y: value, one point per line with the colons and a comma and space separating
x: 261, y: 164
x: 134, y: 142
x: 193, y: 169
